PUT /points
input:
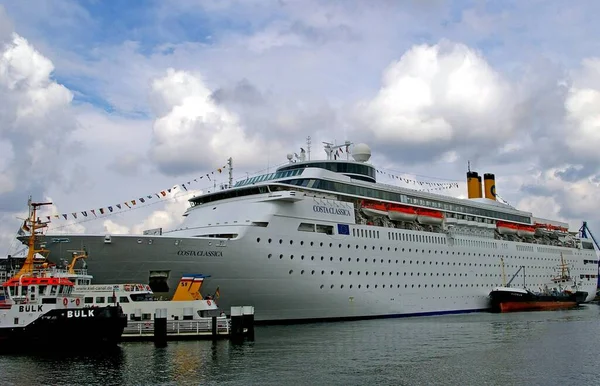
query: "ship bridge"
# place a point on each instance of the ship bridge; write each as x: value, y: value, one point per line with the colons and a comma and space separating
x: 357, y: 168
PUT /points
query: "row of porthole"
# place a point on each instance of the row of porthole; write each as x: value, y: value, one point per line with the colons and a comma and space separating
x: 435, y: 251
x: 312, y: 272
x: 391, y: 286
x: 312, y: 258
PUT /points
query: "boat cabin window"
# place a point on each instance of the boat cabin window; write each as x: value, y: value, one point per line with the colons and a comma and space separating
x: 100, y: 299
x: 141, y: 297
x: 53, y: 290
x: 112, y: 299
x: 88, y: 300
x: 123, y: 299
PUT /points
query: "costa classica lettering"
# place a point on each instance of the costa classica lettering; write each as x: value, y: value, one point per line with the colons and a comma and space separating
x: 200, y: 253
x: 331, y: 210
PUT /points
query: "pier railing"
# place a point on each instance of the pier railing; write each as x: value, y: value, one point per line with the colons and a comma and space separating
x: 179, y: 327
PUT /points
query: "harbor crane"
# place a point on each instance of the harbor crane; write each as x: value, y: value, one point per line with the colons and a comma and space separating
x: 583, y: 233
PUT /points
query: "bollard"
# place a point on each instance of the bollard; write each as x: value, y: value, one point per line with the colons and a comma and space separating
x: 160, y: 327
x: 248, y: 321
x: 214, y: 326
x: 236, y: 322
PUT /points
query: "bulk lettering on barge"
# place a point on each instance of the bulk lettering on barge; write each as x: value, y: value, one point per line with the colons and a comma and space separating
x: 200, y: 253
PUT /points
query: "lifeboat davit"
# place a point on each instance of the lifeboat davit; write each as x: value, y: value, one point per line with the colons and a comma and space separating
x: 507, y: 228
x: 374, y: 209
x: 544, y: 229
x: 402, y: 213
x: 526, y: 231
x: 429, y: 217
x: 560, y: 231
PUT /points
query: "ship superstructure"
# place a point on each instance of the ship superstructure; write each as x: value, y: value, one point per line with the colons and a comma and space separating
x: 321, y: 239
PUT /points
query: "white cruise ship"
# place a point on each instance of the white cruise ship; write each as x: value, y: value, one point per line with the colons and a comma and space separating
x: 322, y: 240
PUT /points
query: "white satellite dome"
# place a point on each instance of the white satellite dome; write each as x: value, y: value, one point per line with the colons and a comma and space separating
x: 361, y: 152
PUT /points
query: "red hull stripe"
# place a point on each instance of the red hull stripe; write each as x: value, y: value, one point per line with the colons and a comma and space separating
x: 524, y: 306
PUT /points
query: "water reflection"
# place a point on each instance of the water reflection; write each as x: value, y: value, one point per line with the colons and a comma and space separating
x: 545, y: 348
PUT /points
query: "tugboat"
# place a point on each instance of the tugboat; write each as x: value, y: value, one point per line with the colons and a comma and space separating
x: 39, y: 311
x: 508, y: 299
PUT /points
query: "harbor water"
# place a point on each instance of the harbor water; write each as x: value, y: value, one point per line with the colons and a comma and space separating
x: 535, y: 348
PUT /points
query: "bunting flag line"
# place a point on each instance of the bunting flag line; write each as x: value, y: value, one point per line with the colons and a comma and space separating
x: 134, y: 202
x: 423, y: 185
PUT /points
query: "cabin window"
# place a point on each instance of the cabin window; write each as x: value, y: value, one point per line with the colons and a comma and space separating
x: 53, y: 290
x: 123, y: 299
x: 112, y: 299
x: 100, y: 299
x: 88, y: 300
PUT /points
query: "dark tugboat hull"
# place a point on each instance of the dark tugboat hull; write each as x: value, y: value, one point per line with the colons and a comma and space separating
x: 68, y: 330
x: 506, y: 300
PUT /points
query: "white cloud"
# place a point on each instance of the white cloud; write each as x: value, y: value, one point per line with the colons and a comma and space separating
x: 170, y: 216
x: 582, y: 129
x: 445, y: 93
x: 114, y: 228
x: 191, y: 132
x: 34, y: 117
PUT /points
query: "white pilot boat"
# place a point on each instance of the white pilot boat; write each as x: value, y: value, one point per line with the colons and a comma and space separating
x: 38, y: 310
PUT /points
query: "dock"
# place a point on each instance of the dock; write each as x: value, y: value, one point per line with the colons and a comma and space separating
x: 240, y: 324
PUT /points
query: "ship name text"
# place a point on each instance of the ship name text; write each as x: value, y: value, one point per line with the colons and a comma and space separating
x: 331, y: 210
x: 200, y: 253
x: 31, y: 308
x: 88, y: 313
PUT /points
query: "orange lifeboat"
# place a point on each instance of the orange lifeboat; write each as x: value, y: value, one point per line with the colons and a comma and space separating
x: 525, y: 231
x: 506, y: 228
x: 429, y: 217
x: 374, y: 209
x: 402, y: 213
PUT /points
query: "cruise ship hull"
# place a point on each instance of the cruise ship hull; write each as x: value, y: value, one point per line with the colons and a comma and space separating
x: 312, y: 276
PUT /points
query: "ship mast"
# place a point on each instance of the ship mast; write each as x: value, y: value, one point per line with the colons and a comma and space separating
x: 34, y: 226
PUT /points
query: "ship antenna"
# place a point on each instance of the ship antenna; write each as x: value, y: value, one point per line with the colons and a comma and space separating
x: 469, y: 166
x: 308, y: 142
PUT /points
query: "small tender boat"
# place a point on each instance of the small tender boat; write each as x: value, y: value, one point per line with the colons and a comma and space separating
x: 429, y: 217
x: 402, y: 213
x: 374, y: 209
x: 525, y: 231
x: 507, y: 228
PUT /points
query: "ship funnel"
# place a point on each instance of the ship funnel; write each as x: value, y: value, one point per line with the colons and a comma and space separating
x: 489, y: 181
x: 473, y: 185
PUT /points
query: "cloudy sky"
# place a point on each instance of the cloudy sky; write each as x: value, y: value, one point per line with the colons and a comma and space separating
x: 103, y: 102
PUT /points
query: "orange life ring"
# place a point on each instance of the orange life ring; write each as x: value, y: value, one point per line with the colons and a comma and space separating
x: 65, y: 302
x: 208, y: 302
x: 77, y: 302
